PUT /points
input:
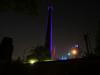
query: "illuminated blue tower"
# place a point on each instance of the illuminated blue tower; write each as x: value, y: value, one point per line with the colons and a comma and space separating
x: 48, y: 42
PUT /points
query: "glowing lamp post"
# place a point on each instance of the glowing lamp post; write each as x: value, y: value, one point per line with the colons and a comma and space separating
x: 74, y: 52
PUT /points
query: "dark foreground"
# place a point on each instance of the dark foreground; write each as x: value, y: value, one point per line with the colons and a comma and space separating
x: 84, y: 66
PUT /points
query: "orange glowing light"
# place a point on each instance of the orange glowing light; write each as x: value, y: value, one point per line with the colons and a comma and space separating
x: 74, y: 52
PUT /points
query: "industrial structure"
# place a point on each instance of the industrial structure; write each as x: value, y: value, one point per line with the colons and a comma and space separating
x: 48, y: 40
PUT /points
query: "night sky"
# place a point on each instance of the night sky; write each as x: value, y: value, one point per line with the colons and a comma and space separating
x: 71, y: 19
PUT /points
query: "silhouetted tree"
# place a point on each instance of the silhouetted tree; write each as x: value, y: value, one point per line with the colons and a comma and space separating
x: 40, y: 53
x: 6, y: 49
x: 18, y: 60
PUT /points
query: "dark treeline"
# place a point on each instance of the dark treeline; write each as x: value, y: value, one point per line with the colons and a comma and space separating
x: 6, y: 50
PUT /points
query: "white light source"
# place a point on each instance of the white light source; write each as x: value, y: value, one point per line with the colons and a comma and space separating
x: 76, y: 45
x: 32, y: 61
x: 69, y: 54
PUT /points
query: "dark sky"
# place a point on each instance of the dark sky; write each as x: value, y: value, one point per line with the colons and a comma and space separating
x: 71, y: 19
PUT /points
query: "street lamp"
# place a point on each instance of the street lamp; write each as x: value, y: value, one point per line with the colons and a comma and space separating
x: 74, y: 52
